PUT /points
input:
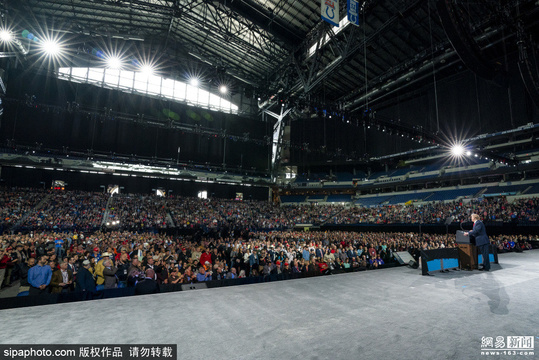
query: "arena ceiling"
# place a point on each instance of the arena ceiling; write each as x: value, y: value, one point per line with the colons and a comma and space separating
x: 281, y: 49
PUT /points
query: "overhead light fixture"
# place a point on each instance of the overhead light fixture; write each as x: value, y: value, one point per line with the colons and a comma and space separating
x: 6, y: 35
x: 223, y: 89
x: 114, y: 62
x: 51, y: 47
x: 147, y: 69
x: 194, y: 82
x: 457, y: 150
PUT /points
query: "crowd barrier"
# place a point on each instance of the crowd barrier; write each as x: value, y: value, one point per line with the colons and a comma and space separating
x: 49, y: 299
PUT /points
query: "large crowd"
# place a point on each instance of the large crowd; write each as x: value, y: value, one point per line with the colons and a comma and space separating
x: 103, y: 260
x: 138, y: 212
x: 219, y: 213
x: 14, y: 204
x: 29, y: 209
x: 66, y: 211
x: 490, y: 209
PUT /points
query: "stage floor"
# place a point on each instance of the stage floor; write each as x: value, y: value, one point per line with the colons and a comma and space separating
x: 384, y: 314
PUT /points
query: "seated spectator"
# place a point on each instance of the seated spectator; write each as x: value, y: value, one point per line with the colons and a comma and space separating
x: 203, y: 275
x: 175, y: 277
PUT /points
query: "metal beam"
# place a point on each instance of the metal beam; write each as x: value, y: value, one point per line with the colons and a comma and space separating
x: 266, y: 20
x: 277, y: 142
x: 308, y: 76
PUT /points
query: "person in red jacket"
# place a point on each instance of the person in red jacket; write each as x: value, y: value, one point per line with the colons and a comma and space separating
x: 206, y: 256
x: 5, y: 261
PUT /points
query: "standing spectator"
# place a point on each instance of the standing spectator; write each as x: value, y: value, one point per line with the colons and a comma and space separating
x: 123, y: 269
x: 4, y: 259
x: 96, y: 254
x: 85, y: 279
x: 150, y: 263
x: 100, y: 278
x: 59, y: 247
x: 147, y: 285
x: 9, y: 266
x: 61, y: 280
x: 372, y: 252
x: 134, y: 272
x: 21, y: 256
x: 24, y: 268
x: 306, y: 254
x: 73, y: 265
x: 109, y: 274
x: 39, y: 277
x: 206, y: 256
x: 137, y: 253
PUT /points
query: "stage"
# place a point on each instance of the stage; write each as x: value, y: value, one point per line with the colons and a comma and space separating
x: 384, y: 314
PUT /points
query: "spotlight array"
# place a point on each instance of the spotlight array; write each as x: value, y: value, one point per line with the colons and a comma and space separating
x: 54, y: 48
x: 458, y: 152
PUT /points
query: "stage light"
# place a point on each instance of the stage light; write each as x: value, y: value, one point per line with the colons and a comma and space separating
x: 194, y: 82
x: 223, y: 89
x: 457, y: 150
x: 147, y: 69
x: 5, y: 35
x: 469, y: 153
x: 114, y: 62
x: 51, y: 47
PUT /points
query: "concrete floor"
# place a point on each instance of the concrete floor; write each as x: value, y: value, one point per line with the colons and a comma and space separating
x: 385, y: 314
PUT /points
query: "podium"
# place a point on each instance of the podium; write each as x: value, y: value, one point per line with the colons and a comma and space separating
x: 467, y: 251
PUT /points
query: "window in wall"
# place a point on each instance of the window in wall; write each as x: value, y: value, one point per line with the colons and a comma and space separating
x: 150, y: 85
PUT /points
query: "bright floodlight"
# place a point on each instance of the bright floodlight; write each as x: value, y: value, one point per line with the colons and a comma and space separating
x: 194, y: 82
x: 469, y: 153
x: 51, y: 47
x: 5, y: 35
x: 223, y: 89
x: 147, y: 69
x: 114, y: 62
x: 457, y: 150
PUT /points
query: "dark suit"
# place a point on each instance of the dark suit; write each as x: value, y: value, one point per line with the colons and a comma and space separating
x: 481, y: 241
x: 85, y: 280
x: 146, y: 286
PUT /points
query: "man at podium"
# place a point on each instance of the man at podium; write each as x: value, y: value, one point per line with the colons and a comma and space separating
x: 481, y: 240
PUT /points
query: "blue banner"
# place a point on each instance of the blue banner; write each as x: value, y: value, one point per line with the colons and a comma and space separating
x: 330, y: 11
x: 353, y: 12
